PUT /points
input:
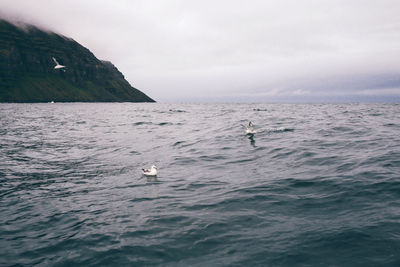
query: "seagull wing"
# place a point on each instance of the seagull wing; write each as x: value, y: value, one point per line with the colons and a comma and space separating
x: 55, y: 61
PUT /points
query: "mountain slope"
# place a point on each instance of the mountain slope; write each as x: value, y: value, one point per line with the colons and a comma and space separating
x: 27, y: 71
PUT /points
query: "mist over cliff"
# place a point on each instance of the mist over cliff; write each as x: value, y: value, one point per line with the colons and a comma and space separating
x: 27, y: 72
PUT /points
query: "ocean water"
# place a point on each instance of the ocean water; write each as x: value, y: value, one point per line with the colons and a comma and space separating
x: 318, y: 185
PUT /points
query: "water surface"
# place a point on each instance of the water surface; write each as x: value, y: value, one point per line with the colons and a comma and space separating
x: 318, y: 185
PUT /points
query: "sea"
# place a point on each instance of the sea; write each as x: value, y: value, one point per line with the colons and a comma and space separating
x: 317, y: 185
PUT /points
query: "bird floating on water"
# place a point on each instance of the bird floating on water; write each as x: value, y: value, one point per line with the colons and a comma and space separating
x: 58, y: 66
x: 250, y: 129
x: 150, y: 172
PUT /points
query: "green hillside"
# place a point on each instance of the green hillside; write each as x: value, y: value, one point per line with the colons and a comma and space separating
x: 27, y: 71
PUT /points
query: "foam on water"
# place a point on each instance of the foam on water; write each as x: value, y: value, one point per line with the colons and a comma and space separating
x: 317, y: 185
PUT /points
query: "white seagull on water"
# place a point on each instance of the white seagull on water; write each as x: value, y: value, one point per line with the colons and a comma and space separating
x: 151, y: 172
x: 58, y: 66
x: 250, y: 129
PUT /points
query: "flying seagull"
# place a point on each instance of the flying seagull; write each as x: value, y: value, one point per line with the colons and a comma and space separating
x: 58, y: 66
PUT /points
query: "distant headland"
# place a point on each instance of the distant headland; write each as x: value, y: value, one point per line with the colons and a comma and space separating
x: 42, y: 66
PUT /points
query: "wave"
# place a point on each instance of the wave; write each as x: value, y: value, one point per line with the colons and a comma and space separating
x: 280, y: 129
x: 177, y: 111
x: 142, y: 123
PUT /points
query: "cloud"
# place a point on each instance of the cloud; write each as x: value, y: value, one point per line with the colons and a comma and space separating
x: 382, y: 91
x: 190, y: 49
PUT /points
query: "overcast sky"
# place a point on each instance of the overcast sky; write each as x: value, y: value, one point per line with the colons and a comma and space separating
x: 230, y: 50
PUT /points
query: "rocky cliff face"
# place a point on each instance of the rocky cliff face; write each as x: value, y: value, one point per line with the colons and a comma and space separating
x: 27, y: 71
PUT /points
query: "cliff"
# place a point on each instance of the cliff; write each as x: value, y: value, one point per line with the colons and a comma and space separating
x: 27, y: 71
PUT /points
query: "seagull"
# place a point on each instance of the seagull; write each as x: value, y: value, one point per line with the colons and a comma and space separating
x: 58, y: 66
x: 250, y: 129
x: 151, y: 172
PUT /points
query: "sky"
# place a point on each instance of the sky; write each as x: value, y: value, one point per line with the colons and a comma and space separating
x: 236, y: 51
